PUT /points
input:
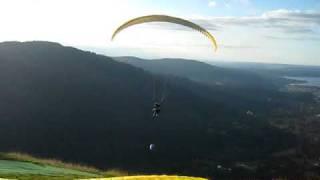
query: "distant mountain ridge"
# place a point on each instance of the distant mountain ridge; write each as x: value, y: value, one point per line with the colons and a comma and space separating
x: 201, y: 72
x: 272, y: 69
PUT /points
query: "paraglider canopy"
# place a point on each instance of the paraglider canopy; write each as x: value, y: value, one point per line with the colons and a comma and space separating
x: 169, y: 19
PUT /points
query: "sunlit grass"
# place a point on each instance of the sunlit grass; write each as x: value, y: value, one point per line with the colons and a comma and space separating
x: 114, y: 173
x: 151, y: 177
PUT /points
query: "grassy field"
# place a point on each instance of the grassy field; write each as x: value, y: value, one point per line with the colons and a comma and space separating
x: 17, y: 167
x: 27, y: 170
x: 26, y: 167
x: 42, y: 161
x: 150, y: 177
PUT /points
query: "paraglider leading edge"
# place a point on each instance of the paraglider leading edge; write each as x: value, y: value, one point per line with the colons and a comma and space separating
x: 165, y: 18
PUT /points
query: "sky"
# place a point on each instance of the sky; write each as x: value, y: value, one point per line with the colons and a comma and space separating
x: 269, y: 31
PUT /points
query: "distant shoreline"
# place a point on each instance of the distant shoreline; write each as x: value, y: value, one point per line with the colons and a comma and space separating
x: 304, y: 81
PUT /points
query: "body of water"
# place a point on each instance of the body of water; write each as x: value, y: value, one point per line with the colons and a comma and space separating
x: 309, y: 81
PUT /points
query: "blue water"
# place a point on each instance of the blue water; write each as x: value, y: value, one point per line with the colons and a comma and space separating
x: 309, y: 81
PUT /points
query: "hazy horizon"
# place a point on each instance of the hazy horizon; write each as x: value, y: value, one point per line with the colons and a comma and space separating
x: 211, y: 61
x: 285, y: 32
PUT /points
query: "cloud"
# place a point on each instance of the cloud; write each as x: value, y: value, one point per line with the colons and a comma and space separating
x: 288, y: 21
x: 212, y: 4
x: 227, y: 5
x: 244, y: 2
x: 283, y: 21
x: 206, y: 24
x: 169, y: 26
x: 237, y: 47
x: 236, y: 3
x: 300, y: 38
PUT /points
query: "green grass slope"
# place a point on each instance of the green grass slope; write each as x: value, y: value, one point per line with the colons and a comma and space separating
x: 17, y: 167
x: 26, y: 167
x: 23, y: 166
